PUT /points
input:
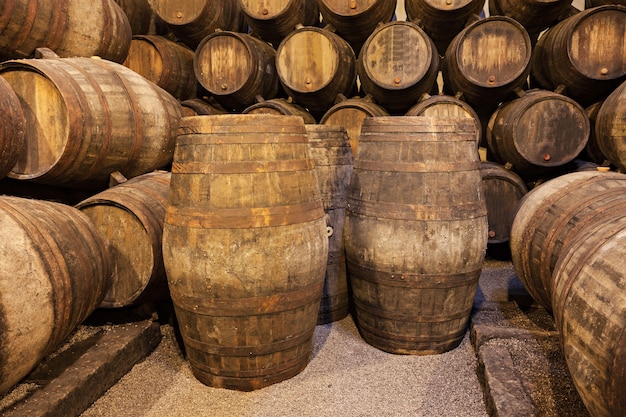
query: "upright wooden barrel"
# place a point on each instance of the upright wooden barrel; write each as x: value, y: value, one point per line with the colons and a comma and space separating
x: 610, y: 125
x: 87, y: 118
x: 537, y: 132
x: 280, y: 106
x: 397, y: 64
x: 487, y: 61
x: 442, y: 20
x: 235, y: 68
x: 350, y: 113
x: 534, y: 15
x: 245, y: 247
x: 329, y: 148
x: 312, y: 81
x: 55, y: 272
x: 68, y: 27
x: 584, y: 53
x: 551, y: 215
x: 12, y: 129
x: 415, y: 232
x: 590, y: 314
x: 192, y: 21
x: 130, y: 217
x: 356, y: 20
x: 272, y: 20
x: 166, y: 63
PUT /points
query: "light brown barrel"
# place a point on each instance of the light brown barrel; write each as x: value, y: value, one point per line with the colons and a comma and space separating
x: 129, y: 216
x: 442, y: 20
x: 329, y: 148
x: 235, y: 68
x: 245, y: 248
x: 311, y: 81
x: 551, y: 215
x: 12, y: 129
x: 487, y: 61
x: 87, y: 118
x: 397, y: 64
x: 415, y: 232
x: 350, y: 113
x: 55, y: 272
x: 280, y: 106
x: 356, y: 20
x: 534, y: 15
x: 609, y: 127
x: 584, y: 53
x: 272, y: 20
x: 192, y: 21
x: 68, y: 27
x: 166, y: 63
x: 590, y: 313
x: 537, y: 132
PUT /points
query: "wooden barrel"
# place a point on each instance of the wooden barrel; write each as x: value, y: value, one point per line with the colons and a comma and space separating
x: 397, y: 64
x: 280, y: 106
x: 130, y: 216
x: 235, y: 68
x: 329, y: 148
x: 166, y: 63
x: 272, y: 20
x: 350, y: 113
x: 55, y: 272
x: 87, y: 118
x: 69, y: 27
x: 592, y: 151
x: 415, y: 232
x: 312, y: 82
x: 142, y: 19
x: 590, y: 314
x: 503, y: 190
x: 609, y: 127
x: 443, y: 105
x: 550, y: 215
x: 192, y: 21
x: 595, y: 3
x: 442, y: 20
x: 245, y: 248
x: 201, y: 106
x: 534, y: 15
x: 537, y: 132
x: 487, y: 60
x: 355, y: 21
x: 583, y: 53
x: 12, y: 128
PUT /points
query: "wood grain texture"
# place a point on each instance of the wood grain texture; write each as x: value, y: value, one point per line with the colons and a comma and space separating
x: 280, y: 106
x: 12, y: 129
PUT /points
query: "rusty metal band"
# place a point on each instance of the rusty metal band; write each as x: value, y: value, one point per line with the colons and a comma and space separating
x: 410, y: 316
x: 241, y: 167
x: 390, y: 337
x: 58, y: 26
x: 26, y: 27
x: 417, y: 167
x: 416, y: 212
x: 250, y: 306
x: 7, y: 14
x: 243, y: 218
x: 240, y: 133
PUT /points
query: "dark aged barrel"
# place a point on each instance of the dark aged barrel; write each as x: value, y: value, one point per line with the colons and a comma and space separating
x: 88, y: 118
x: 142, y: 19
x: 609, y: 127
x: 130, y: 217
x: 235, y: 68
x: 415, y: 232
x: 329, y: 148
x: 584, y: 53
x: 280, y: 106
x: 272, y: 20
x: 487, y: 60
x: 590, y: 314
x: 13, y: 129
x: 245, y: 247
x: 166, y: 63
x: 550, y: 215
x: 442, y: 20
x: 595, y: 3
x: 55, y: 272
x: 312, y: 82
x: 397, y: 64
x: 534, y: 15
x: 68, y: 27
x: 537, y: 132
x: 201, y: 106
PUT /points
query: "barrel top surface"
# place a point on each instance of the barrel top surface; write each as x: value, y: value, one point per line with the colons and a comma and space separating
x: 408, y: 125
x: 307, y: 59
x: 397, y: 54
x: 349, y: 8
x: 493, y: 51
x: 596, y: 44
x: 145, y: 58
x: 265, y: 9
x: 232, y: 123
x: 177, y: 12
